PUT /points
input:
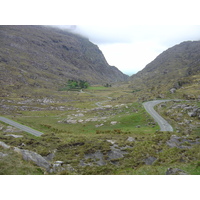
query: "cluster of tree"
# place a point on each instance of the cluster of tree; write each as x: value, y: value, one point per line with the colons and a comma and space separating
x: 73, y: 84
x: 108, y: 85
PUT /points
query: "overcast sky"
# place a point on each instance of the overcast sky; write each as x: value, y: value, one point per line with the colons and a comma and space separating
x: 131, y: 47
x: 130, y: 33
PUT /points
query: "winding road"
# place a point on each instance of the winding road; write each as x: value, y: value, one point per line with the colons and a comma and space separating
x: 149, y: 106
x: 20, y: 126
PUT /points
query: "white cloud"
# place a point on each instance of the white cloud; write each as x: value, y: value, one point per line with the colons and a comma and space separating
x: 131, y: 47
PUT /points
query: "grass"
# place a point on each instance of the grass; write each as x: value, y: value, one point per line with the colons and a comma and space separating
x: 74, y: 141
x: 13, y: 164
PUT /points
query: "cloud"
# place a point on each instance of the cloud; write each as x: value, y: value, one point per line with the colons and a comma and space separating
x: 131, y: 47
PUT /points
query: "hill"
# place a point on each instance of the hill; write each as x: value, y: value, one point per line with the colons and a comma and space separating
x: 175, y: 71
x: 33, y: 57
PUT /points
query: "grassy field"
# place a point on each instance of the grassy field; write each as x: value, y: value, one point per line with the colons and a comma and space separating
x: 79, y: 125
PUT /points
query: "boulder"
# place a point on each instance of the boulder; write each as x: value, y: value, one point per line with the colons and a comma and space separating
x: 34, y: 157
x: 175, y: 171
x: 115, y: 153
x: 79, y: 115
x: 99, y: 125
x: 3, y: 155
x: 113, y: 122
x: 172, y: 90
x: 49, y: 157
x: 12, y: 129
x: 131, y: 139
x: 111, y: 141
x: 97, y: 157
x: 150, y: 160
x: 192, y: 114
x: 5, y: 146
x: 71, y: 121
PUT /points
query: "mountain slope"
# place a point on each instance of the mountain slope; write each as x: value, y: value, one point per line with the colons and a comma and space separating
x: 45, y: 57
x: 178, y: 68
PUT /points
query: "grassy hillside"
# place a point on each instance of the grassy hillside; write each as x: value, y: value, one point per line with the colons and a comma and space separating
x: 35, y: 57
x: 178, y: 67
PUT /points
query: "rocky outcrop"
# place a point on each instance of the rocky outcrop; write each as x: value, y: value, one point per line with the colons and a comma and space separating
x: 181, y: 142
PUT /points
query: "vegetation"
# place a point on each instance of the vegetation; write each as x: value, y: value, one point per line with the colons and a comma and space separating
x: 177, y: 67
x: 75, y: 85
x: 102, y: 129
x: 93, y: 133
x: 42, y: 57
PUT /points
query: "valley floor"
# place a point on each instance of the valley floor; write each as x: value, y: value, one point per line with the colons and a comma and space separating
x: 96, y: 131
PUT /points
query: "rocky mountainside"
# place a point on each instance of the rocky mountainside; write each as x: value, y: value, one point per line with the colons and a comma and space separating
x: 35, y: 57
x: 176, y: 70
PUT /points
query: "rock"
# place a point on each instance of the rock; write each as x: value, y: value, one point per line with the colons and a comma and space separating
x: 107, y: 106
x: 115, y: 153
x: 56, y: 168
x: 97, y: 157
x: 5, y: 146
x: 138, y: 126
x: 180, y: 142
x: 59, y: 162
x: 71, y: 121
x: 174, y: 141
x: 131, y: 139
x: 3, y: 155
x: 83, y: 164
x: 11, y: 129
x: 175, y: 171
x: 15, y: 136
x: 34, y: 157
x: 150, y: 160
x: 79, y: 115
x: 99, y: 125
x: 113, y: 122
x: 188, y: 107
x: 68, y: 167
x: 192, y: 114
x: 49, y: 157
x: 172, y: 90
x: 111, y: 141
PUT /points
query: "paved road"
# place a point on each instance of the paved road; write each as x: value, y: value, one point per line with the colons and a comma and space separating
x: 20, y: 126
x: 149, y: 106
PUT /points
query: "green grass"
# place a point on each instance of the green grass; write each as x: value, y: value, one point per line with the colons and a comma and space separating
x: 97, y: 88
x: 74, y: 141
x: 13, y: 164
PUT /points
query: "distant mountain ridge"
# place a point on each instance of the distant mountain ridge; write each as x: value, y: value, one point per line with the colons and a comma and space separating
x: 178, y: 67
x: 45, y: 57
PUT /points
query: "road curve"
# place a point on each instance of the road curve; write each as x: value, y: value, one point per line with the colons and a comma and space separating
x: 149, y: 106
x: 20, y: 126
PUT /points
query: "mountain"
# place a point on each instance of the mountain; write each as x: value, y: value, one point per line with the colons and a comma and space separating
x: 175, y: 71
x: 34, y: 57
